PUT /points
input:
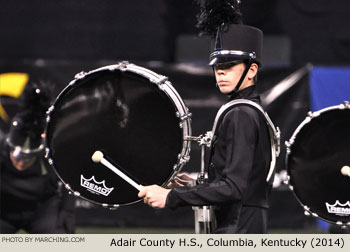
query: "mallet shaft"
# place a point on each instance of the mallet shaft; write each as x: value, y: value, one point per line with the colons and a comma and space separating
x: 98, y: 158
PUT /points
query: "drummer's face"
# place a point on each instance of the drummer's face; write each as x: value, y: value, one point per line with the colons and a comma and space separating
x: 21, y: 164
x: 228, y: 75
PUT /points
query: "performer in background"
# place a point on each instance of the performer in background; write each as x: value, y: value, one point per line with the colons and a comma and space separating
x: 241, y: 152
x: 30, y: 196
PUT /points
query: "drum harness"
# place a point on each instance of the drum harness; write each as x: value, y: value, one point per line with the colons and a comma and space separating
x: 204, y: 215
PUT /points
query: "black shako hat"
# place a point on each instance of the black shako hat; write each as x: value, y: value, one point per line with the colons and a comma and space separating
x: 239, y: 42
x: 25, y: 138
x: 232, y: 40
x: 26, y: 129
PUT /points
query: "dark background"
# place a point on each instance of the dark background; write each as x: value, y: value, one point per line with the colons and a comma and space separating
x: 54, y: 40
x: 317, y: 30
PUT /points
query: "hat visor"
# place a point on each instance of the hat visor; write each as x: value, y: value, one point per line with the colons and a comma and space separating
x: 221, y: 59
x: 22, y: 154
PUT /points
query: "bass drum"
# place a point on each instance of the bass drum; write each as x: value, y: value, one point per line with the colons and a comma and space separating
x: 131, y: 114
x: 316, y: 153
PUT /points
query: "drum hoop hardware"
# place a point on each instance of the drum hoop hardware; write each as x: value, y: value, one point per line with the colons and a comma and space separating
x: 76, y: 194
x: 67, y: 186
x: 80, y: 75
x: 311, y: 115
x: 48, y: 112
x: 205, y: 221
x: 184, y: 116
x: 201, y: 139
x: 123, y: 65
x: 182, y: 112
x: 286, y: 180
x: 160, y: 81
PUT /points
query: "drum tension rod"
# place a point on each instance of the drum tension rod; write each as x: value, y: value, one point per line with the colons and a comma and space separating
x: 161, y: 81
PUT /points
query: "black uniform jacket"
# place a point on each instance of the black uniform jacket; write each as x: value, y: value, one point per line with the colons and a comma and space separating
x: 239, y: 165
x: 24, y: 190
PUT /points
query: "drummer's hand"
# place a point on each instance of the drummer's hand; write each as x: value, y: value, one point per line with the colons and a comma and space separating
x: 154, y: 195
x: 181, y: 179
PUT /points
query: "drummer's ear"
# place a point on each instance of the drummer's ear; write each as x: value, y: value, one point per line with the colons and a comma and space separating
x: 253, y: 72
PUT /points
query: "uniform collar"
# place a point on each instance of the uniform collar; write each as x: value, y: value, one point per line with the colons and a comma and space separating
x: 249, y: 93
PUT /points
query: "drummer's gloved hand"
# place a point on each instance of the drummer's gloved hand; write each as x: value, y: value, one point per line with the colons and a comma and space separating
x: 154, y: 195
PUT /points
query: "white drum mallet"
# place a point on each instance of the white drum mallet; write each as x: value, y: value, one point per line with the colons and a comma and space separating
x: 345, y: 170
x: 97, y: 157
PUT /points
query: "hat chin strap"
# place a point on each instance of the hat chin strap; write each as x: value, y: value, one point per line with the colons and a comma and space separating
x: 242, y: 78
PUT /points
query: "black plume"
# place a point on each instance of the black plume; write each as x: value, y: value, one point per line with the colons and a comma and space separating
x: 36, y: 97
x: 216, y: 14
x: 34, y: 102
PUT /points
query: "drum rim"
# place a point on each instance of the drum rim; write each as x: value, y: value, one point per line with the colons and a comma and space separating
x: 182, y: 112
x: 310, y: 116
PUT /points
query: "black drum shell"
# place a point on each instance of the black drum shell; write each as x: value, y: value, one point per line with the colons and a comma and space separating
x: 126, y: 116
x: 318, y: 151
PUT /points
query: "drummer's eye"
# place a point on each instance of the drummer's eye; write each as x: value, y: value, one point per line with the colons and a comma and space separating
x: 225, y: 66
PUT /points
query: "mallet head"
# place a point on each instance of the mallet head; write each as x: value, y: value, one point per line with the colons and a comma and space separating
x: 97, y: 156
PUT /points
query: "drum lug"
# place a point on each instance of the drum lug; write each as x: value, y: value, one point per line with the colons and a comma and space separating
x: 306, y: 213
x: 47, y: 153
x: 67, y: 187
x: 286, y: 180
x: 312, y: 115
x: 277, y: 141
x: 288, y: 144
x: 184, y: 117
x: 308, y: 118
x: 49, y: 110
x: 341, y: 224
x: 80, y: 75
x: 123, y: 65
x: 114, y: 207
x: 314, y: 215
x: 76, y: 194
x: 160, y: 82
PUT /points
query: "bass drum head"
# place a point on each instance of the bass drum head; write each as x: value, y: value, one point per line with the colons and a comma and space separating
x: 129, y: 119
x: 319, y: 149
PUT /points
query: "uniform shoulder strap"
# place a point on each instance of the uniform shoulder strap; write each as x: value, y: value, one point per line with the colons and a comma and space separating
x: 274, y: 132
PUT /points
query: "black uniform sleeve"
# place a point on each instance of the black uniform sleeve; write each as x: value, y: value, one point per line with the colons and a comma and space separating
x: 234, y: 155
